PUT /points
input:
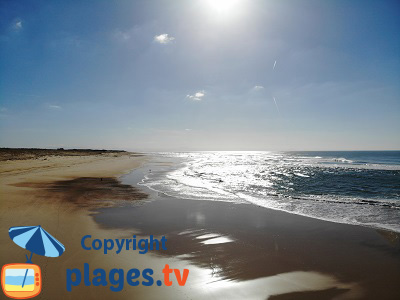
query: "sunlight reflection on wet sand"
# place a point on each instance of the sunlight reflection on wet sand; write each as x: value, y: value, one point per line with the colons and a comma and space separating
x: 262, y: 288
x: 214, y: 238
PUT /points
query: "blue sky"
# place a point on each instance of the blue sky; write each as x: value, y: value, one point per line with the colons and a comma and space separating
x: 200, y: 74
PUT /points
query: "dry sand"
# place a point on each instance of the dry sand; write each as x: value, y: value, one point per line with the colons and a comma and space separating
x: 25, y: 184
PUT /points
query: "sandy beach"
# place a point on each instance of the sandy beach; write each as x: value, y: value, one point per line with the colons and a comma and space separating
x: 239, y: 251
x: 32, y: 192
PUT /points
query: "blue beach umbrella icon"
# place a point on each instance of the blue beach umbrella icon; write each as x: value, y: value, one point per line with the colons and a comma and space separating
x: 36, y: 240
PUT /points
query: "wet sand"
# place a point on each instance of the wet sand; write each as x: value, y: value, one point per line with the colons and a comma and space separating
x: 261, y: 243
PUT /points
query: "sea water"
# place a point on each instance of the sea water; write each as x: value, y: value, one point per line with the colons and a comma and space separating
x: 355, y: 187
x: 19, y: 280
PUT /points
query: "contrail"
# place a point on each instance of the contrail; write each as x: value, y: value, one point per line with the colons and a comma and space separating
x: 273, y: 68
x: 277, y: 108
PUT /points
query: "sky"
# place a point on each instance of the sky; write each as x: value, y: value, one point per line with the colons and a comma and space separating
x: 200, y: 74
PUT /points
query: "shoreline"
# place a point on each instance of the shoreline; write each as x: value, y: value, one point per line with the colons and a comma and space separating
x: 190, y: 180
x: 350, y: 254
x: 232, y: 250
x: 385, y: 229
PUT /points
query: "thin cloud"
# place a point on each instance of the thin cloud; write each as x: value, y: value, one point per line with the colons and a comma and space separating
x: 258, y: 88
x: 196, y: 96
x: 24, y: 95
x: 163, y: 38
x: 276, y: 104
x: 18, y: 25
x: 122, y: 35
x: 55, y: 107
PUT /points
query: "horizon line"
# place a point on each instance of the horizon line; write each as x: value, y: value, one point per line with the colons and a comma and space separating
x: 132, y: 150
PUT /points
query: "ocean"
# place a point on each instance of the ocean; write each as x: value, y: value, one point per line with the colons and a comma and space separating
x: 354, y: 187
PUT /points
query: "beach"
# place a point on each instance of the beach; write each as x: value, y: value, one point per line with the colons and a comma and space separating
x: 233, y: 250
x: 29, y: 198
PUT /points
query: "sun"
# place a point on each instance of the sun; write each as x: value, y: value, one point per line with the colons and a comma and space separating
x: 224, y: 8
